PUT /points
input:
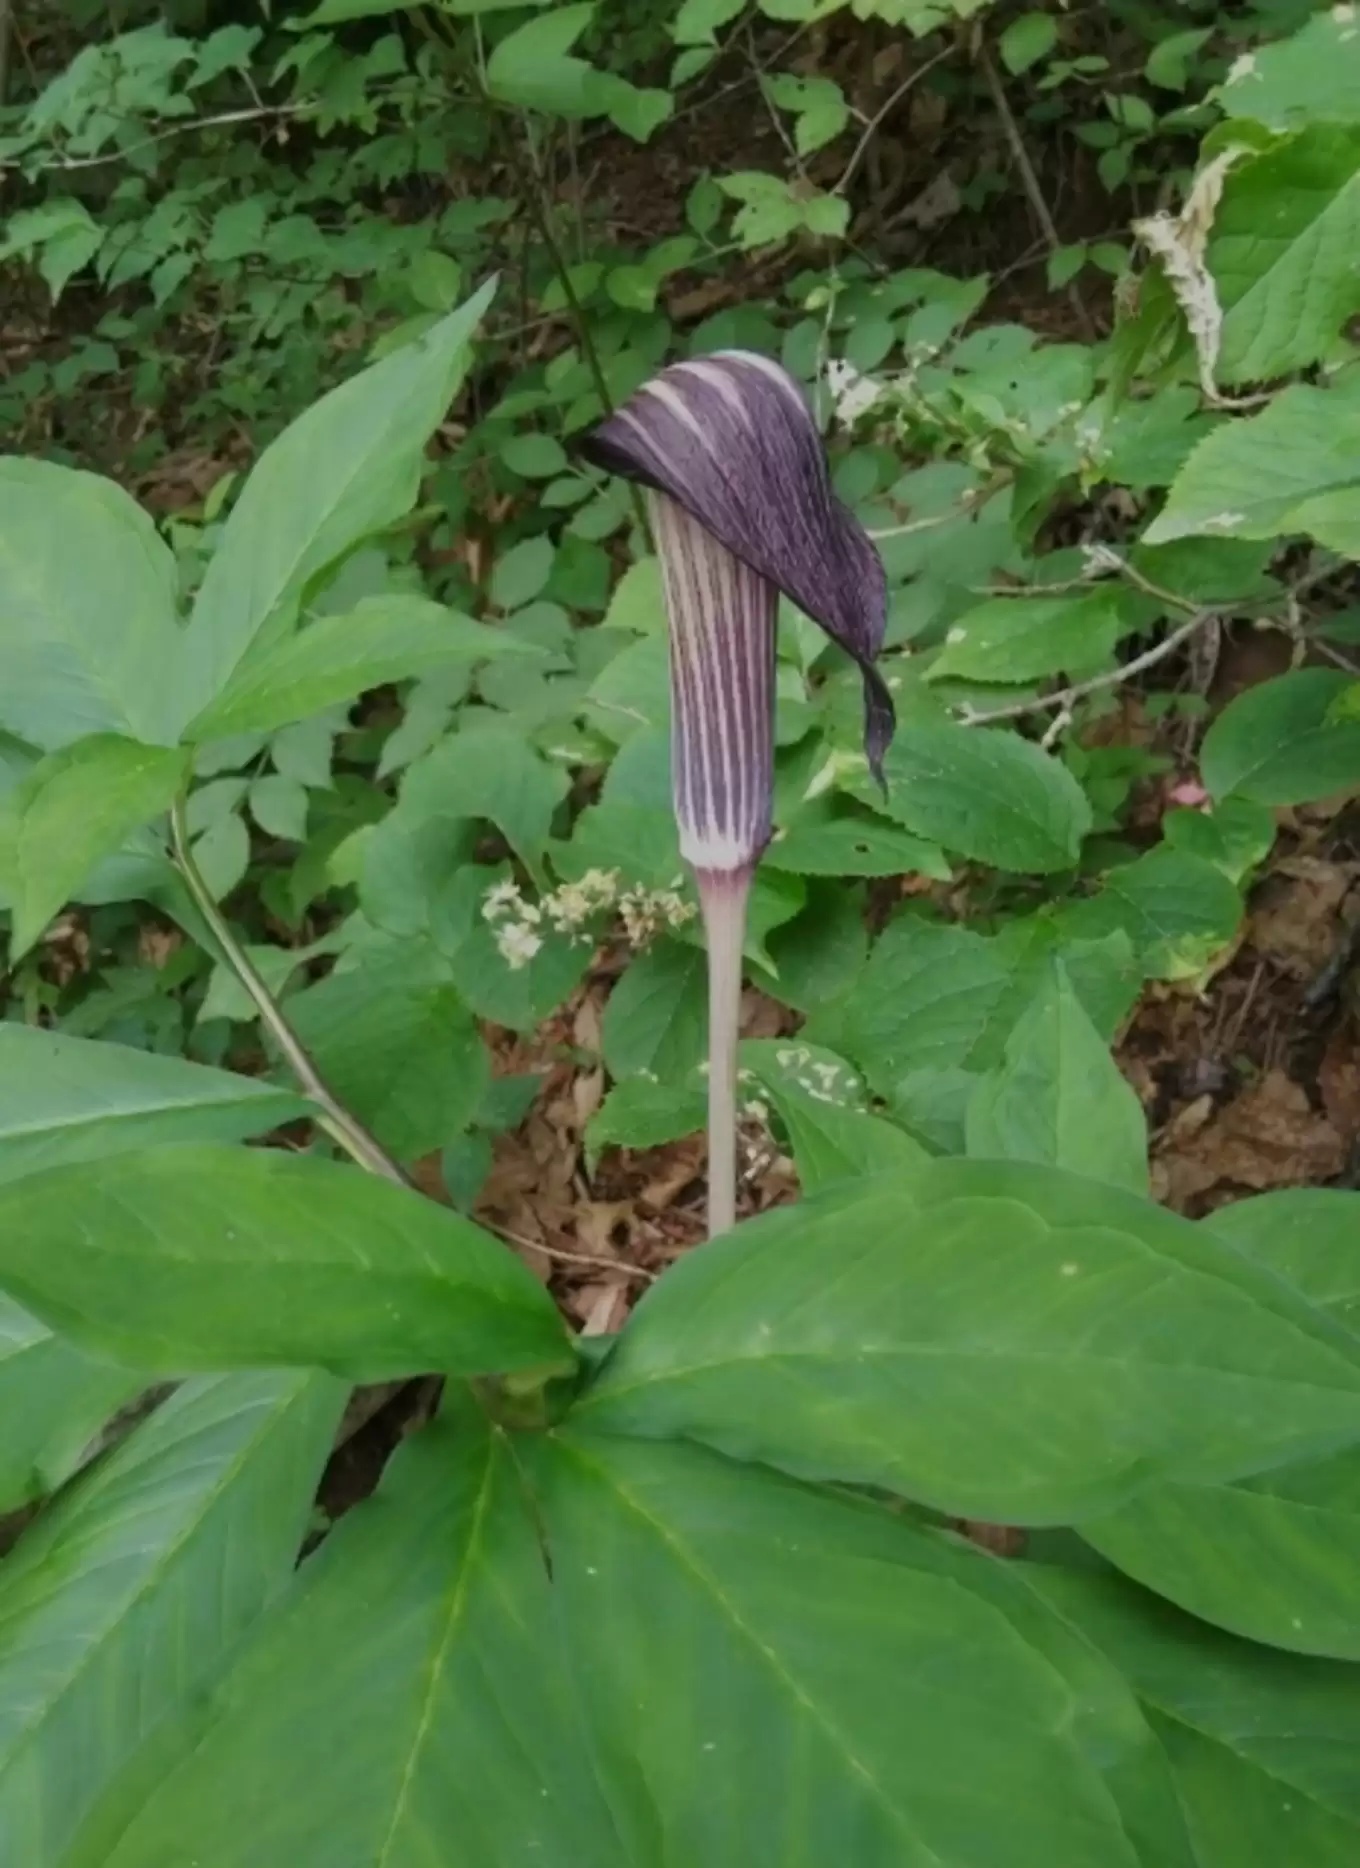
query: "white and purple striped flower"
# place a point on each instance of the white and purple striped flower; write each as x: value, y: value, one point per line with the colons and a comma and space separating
x: 742, y: 510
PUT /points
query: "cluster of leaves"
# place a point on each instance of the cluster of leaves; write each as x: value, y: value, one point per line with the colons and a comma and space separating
x: 713, y: 1613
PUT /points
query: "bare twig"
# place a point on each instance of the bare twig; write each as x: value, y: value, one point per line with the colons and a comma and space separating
x: 1064, y: 699
x: 335, y: 1119
x: 264, y: 113
x: 966, y: 504
x: 1029, y: 181
x: 871, y: 128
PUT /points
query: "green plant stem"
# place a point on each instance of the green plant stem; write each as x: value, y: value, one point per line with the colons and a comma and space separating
x: 722, y: 901
x: 334, y: 1119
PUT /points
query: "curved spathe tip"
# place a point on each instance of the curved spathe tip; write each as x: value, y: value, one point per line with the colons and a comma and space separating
x: 730, y: 438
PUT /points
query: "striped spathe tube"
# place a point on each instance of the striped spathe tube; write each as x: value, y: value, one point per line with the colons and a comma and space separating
x: 742, y: 510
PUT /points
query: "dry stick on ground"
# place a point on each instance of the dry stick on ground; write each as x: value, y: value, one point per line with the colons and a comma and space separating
x: 1029, y: 181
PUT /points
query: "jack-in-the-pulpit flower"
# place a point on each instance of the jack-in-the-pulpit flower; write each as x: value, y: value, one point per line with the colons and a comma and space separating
x: 742, y: 509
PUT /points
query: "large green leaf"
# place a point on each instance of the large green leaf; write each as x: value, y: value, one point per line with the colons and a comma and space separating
x: 1283, y: 253
x: 348, y: 467
x: 1058, y: 1096
x: 53, y: 1400
x: 87, y: 608
x: 64, y: 1100
x: 1262, y: 1747
x: 204, y: 1257
x: 998, y: 1340
x: 1286, y: 741
x: 987, y: 794
x: 120, y: 1603
x: 1313, y: 77
x: 337, y: 658
x: 408, y: 1703
x: 77, y: 805
x: 1276, y: 1557
x: 1295, y: 467
x: 774, y: 1675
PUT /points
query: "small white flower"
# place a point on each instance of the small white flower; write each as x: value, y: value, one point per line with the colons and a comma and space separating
x: 518, y: 944
x: 504, y: 899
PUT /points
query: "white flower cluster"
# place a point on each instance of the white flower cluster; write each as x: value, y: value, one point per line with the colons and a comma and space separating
x: 570, y: 908
x: 647, y: 912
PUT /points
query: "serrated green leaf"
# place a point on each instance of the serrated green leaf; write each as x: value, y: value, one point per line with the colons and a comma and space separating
x: 202, y: 1257
x: 656, y: 1019
x: 1313, y: 77
x: 75, y: 807
x: 1282, y: 254
x: 1178, y: 910
x: 1295, y: 467
x: 490, y: 772
x: 1022, y: 638
x: 347, y: 468
x: 1281, y: 742
x: 123, y: 1601
x: 1131, y: 1347
x: 938, y: 998
x: 991, y: 796
x: 824, y: 841
x: 338, y: 658
x: 820, y: 1102
x: 640, y: 1112
x: 87, y: 608
x: 1058, y: 1097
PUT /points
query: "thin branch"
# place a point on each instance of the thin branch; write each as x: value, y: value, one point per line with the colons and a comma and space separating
x: 1029, y: 181
x: 1064, y: 699
x: 335, y: 1119
x: 967, y: 504
x: 66, y: 164
x: 861, y: 148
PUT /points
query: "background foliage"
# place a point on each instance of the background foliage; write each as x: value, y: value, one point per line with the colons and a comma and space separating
x: 334, y: 809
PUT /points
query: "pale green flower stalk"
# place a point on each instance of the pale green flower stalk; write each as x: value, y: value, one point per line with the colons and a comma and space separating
x: 742, y: 510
